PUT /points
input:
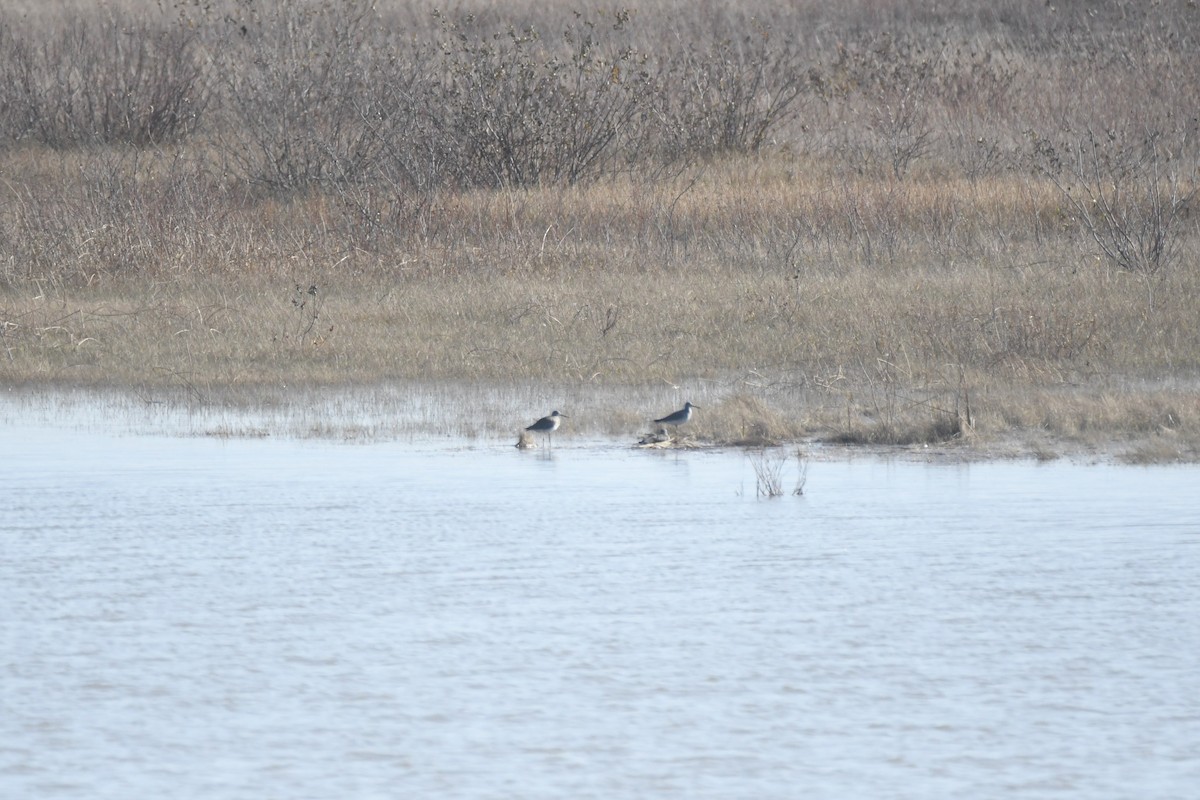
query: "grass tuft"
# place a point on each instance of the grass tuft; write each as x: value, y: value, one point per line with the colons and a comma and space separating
x: 768, y: 472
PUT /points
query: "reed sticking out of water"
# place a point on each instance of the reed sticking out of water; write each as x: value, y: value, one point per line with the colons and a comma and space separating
x: 769, y: 465
x: 768, y: 472
x: 801, y: 472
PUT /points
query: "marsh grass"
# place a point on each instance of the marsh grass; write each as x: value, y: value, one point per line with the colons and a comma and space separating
x: 913, y: 356
x: 881, y: 243
x: 1159, y: 449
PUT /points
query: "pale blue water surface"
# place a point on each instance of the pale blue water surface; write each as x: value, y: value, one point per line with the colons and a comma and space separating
x: 201, y: 617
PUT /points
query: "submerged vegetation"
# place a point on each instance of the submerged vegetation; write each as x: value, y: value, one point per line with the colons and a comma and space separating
x: 877, y: 224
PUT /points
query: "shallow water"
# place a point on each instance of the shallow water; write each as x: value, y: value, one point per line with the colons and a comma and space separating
x: 190, y: 616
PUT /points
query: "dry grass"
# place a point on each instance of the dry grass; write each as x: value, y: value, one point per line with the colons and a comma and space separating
x: 904, y: 360
x: 866, y: 276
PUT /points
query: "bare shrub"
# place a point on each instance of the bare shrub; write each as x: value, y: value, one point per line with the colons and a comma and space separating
x: 1130, y: 192
x: 728, y: 94
x: 882, y: 83
x: 329, y: 95
x: 375, y: 217
x: 515, y: 108
x: 99, y: 78
x: 308, y: 88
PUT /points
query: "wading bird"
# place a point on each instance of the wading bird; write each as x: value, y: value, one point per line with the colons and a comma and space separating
x: 547, y: 425
x: 679, y: 417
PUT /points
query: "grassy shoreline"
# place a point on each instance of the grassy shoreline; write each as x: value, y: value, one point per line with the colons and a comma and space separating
x: 1105, y: 428
x: 1039, y: 344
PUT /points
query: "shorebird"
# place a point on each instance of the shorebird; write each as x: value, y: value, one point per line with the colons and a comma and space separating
x: 679, y: 417
x: 547, y: 425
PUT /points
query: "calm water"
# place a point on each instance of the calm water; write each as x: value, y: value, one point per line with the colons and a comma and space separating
x: 191, y: 617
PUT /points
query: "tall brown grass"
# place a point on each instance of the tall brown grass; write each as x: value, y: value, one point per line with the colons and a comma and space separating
x: 867, y: 224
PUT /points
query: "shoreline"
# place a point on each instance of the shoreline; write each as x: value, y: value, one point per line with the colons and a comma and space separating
x: 429, y: 412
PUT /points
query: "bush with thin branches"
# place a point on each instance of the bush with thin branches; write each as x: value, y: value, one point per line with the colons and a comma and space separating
x: 103, y: 78
x: 1130, y: 191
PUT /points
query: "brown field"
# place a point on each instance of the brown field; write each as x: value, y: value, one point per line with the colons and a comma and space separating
x: 869, y: 225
